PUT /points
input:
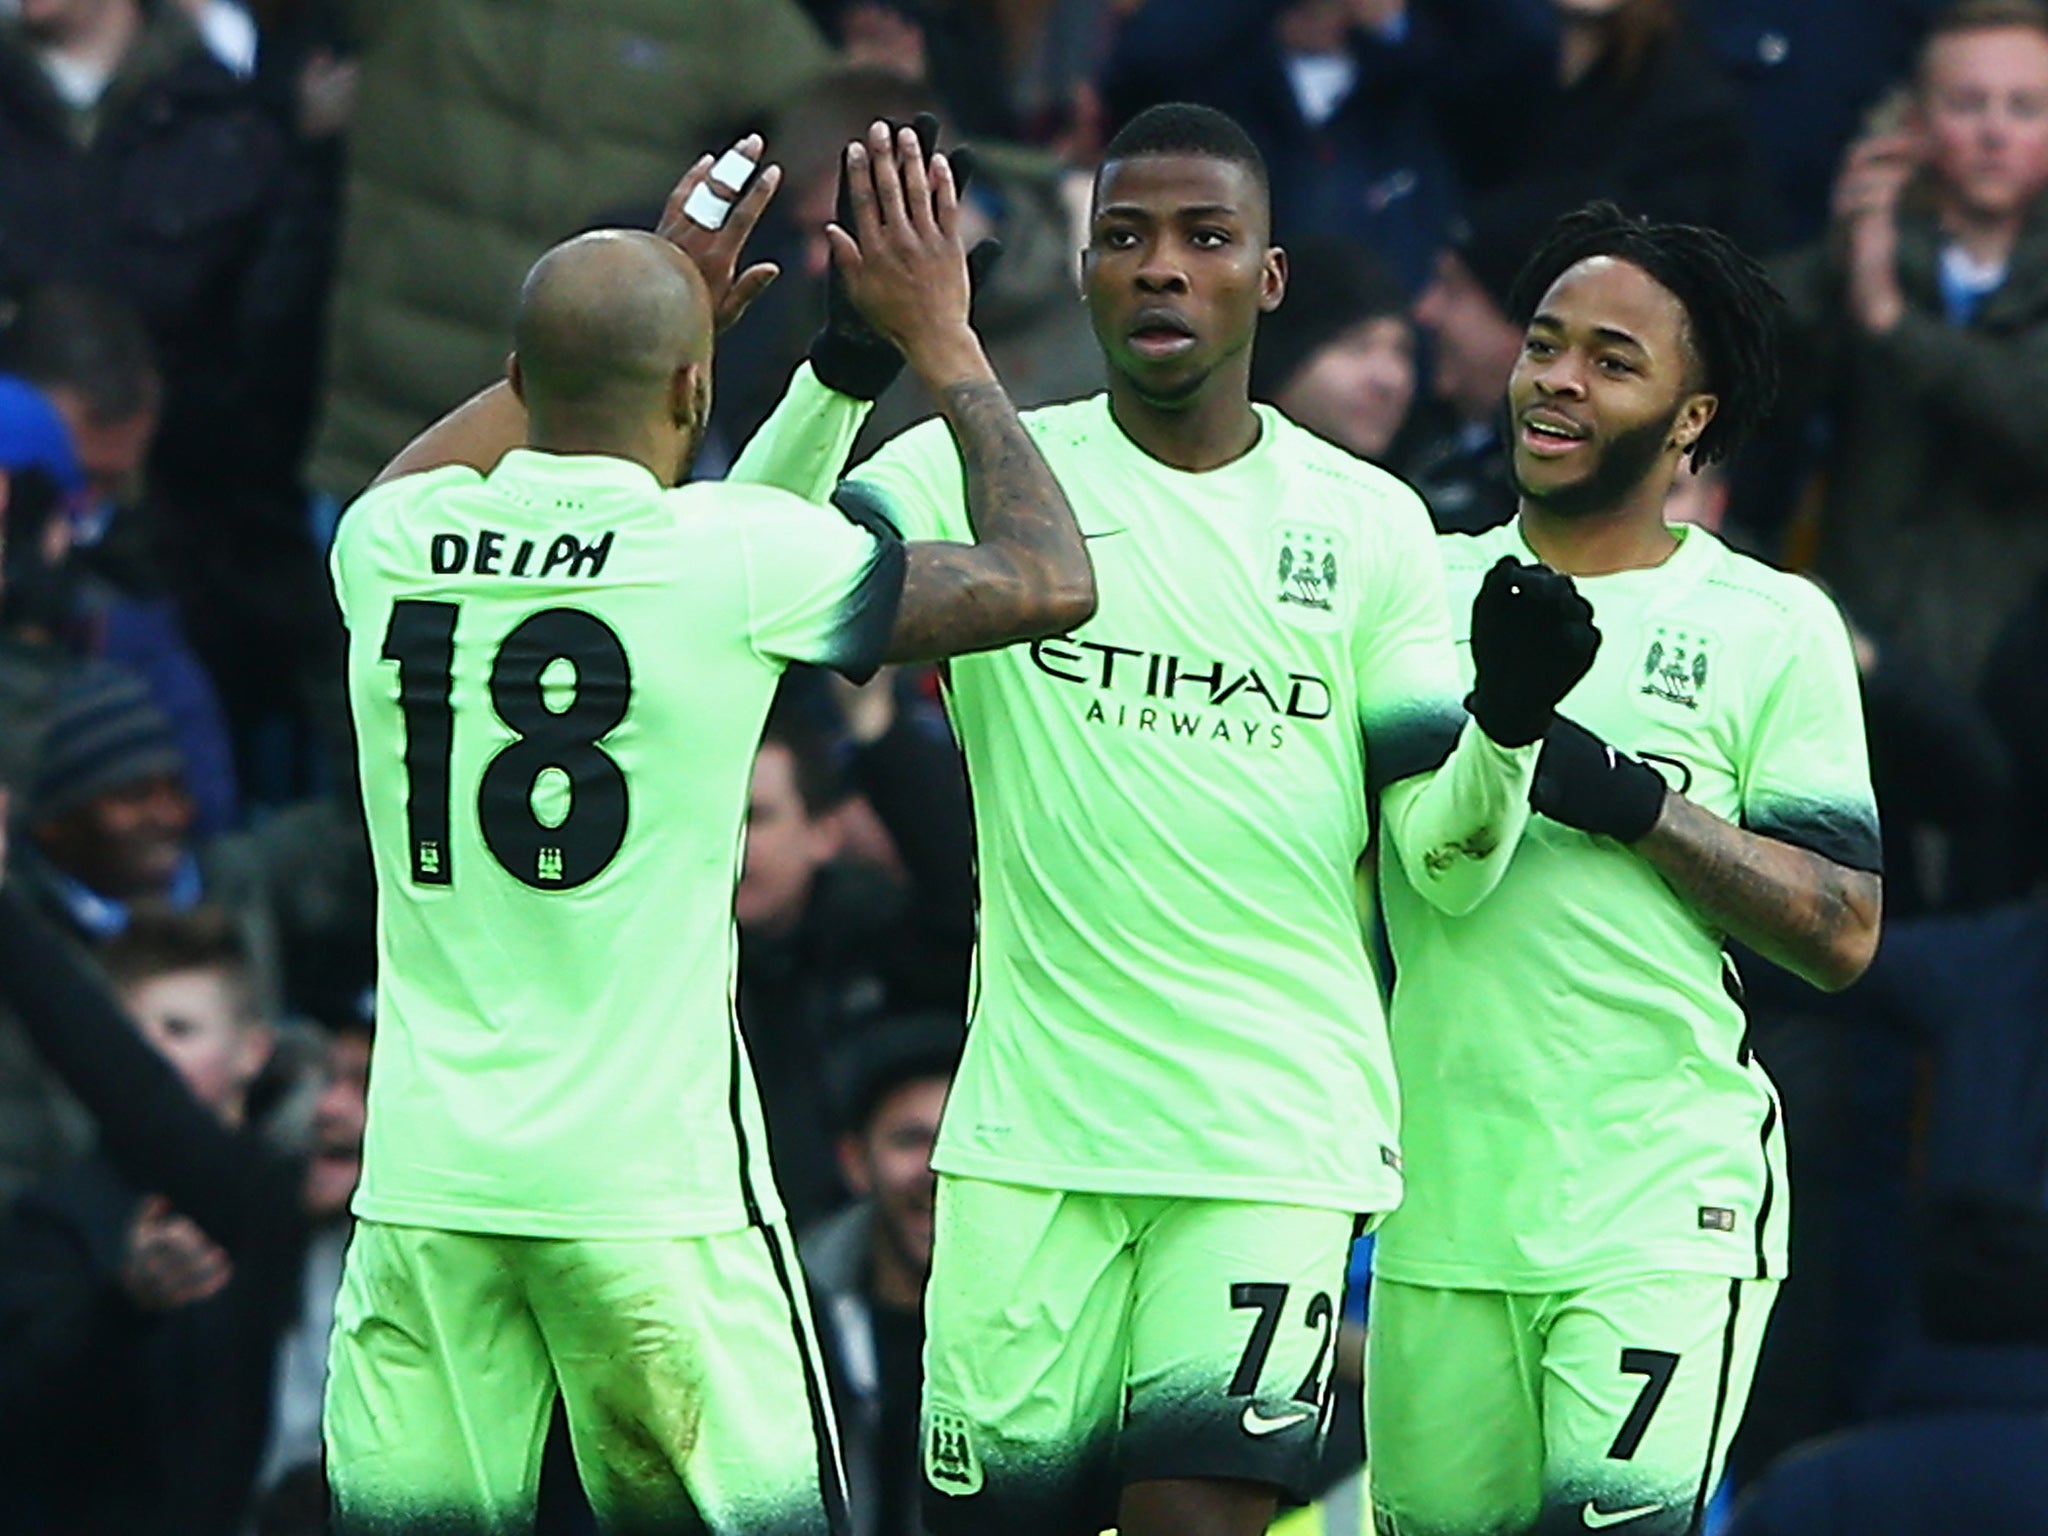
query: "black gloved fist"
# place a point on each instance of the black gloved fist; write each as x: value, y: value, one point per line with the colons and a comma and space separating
x: 1584, y: 783
x: 1532, y: 639
x: 849, y: 355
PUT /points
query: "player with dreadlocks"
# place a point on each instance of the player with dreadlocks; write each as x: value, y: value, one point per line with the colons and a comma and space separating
x: 1568, y: 1305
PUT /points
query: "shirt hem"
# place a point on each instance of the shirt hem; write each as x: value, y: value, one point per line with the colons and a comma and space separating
x: 1374, y: 1196
x: 509, y: 1222
x: 1621, y: 1266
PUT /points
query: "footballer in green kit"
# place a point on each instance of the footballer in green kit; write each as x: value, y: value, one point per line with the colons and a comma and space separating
x: 1177, y: 1102
x: 560, y: 659
x: 1568, y: 1306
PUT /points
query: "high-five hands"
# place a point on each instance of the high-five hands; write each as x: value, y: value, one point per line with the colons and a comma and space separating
x: 729, y: 191
x: 902, y: 263
x: 1533, y: 638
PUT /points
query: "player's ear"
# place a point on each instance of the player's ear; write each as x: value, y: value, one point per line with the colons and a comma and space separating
x: 1273, y: 280
x: 689, y: 396
x: 1693, y: 418
x: 514, y: 377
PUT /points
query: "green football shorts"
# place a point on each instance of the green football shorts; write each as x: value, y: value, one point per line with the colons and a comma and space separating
x: 687, y: 1366
x: 1078, y: 1342
x: 1608, y: 1408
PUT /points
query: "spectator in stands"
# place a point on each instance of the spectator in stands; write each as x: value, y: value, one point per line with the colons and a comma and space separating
x: 1960, y: 1436
x: 1633, y: 109
x: 108, y: 823
x: 1338, y: 355
x: 1341, y: 96
x: 38, y: 584
x: 111, y: 825
x: 1459, y: 463
x: 123, y: 1328
x: 1020, y: 73
x: 1807, y: 71
x: 108, y: 816
x: 41, y: 1127
x: 85, y: 358
x: 867, y: 1265
x: 141, y: 1376
x: 826, y: 942
x: 484, y: 131
x: 293, y: 1452
x: 131, y: 161
x: 1925, y: 324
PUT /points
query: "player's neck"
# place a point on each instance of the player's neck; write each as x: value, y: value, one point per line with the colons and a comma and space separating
x: 1215, y: 428
x: 656, y: 457
x: 1631, y: 537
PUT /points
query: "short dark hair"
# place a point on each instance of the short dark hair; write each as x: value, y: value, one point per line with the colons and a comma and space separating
x: 161, y: 941
x: 83, y: 339
x: 1185, y: 128
x: 887, y: 1053
x: 1734, y: 314
x: 1984, y: 16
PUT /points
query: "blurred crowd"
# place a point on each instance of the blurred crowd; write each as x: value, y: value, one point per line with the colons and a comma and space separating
x: 249, y: 247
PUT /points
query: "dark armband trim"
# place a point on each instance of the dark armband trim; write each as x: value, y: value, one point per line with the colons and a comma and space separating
x: 865, y: 507
x: 1846, y: 834
x: 1409, y: 742
x: 861, y: 643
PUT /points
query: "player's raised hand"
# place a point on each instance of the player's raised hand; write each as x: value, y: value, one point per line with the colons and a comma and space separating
x: 848, y: 354
x: 1533, y: 638
x: 710, y: 215
x: 902, y: 262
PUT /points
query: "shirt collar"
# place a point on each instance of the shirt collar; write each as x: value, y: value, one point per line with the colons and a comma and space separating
x: 584, y: 471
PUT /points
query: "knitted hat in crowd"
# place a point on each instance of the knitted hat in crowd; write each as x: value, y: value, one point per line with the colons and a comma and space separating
x: 1333, y: 284
x: 105, y: 732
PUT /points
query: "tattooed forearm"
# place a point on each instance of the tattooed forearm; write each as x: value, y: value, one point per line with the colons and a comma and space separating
x: 1811, y: 915
x: 1028, y: 574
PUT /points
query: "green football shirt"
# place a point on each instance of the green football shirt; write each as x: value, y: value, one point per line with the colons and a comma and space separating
x: 1171, y: 993
x: 1578, y: 1093
x: 559, y: 674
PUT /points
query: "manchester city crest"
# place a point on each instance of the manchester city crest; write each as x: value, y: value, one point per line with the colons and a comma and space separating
x: 1676, y: 665
x: 1305, y: 568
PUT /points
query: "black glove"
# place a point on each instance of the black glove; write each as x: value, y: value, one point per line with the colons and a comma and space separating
x: 1584, y: 783
x: 1532, y: 639
x: 849, y: 355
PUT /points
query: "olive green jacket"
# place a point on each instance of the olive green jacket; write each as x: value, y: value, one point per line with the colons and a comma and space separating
x: 1935, y: 505
x: 486, y: 130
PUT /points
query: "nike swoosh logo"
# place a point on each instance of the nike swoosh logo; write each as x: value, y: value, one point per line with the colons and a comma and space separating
x: 1258, y: 1425
x: 1598, y: 1520
x: 1107, y: 533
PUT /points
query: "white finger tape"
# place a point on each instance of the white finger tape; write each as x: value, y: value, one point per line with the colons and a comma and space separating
x: 704, y: 206
x: 732, y: 170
